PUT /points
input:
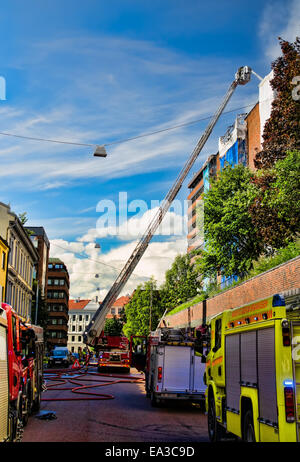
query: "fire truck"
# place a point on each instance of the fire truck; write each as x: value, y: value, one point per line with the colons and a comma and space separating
x: 253, y: 371
x: 21, y: 369
x: 174, y: 369
x: 113, y: 353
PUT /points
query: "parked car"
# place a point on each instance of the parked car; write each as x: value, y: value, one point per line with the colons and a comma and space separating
x: 60, y: 356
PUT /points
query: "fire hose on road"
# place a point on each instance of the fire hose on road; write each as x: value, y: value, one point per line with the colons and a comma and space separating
x: 65, y: 376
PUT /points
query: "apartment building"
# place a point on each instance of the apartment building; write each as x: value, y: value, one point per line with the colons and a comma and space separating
x: 22, y: 258
x: 81, y: 313
x: 198, y: 185
x: 3, y: 267
x: 41, y: 243
x: 240, y: 143
x: 118, y: 307
x: 58, y: 286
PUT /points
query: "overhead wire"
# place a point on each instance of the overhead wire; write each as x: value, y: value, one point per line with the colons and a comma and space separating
x: 95, y: 261
x: 124, y: 140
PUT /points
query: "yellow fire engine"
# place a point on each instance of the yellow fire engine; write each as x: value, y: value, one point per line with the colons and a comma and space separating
x: 253, y: 371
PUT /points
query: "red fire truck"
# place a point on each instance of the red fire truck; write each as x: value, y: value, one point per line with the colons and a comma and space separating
x: 113, y: 353
x: 21, y: 371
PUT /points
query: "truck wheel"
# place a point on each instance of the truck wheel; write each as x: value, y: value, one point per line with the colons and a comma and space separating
x: 249, y: 433
x: 25, y: 410
x: 37, y: 402
x: 13, y: 424
x: 154, y: 401
x: 147, y: 385
x: 214, y: 428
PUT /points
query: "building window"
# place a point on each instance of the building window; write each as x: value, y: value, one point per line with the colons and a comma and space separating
x: 113, y: 311
x: 73, y: 328
x: 12, y: 247
x: 74, y: 317
x: 3, y: 260
x: 79, y: 338
x: 80, y: 317
x: 87, y: 317
x: 73, y: 338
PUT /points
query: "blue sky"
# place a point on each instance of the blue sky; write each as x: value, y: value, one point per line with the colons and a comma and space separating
x: 98, y: 72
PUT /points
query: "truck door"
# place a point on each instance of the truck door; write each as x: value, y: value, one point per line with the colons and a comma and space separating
x: 4, y: 390
x: 199, y: 369
x: 177, y: 368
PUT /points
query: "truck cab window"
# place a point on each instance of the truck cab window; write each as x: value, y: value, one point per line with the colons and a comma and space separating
x: 218, y: 328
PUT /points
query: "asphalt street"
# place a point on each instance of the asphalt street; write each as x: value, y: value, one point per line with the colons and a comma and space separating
x: 128, y: 417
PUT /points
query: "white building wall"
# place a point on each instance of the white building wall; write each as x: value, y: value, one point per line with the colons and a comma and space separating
x: 78, y: 321
x: 266, y: 97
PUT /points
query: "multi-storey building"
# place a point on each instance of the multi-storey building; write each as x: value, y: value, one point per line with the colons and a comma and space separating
x: 232, y: 145
x: 198, y: 186
x: 80, y: 314
x: 118, y: 307
x: 41, y: 242
x: 240, y: 144
x: 58, y: 286
x: 3, y: 267
x: 22, y: 258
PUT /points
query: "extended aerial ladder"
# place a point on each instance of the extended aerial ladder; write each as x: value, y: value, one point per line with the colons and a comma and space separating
x: 96, y: 325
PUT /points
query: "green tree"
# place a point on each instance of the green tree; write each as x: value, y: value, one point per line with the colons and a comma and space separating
x: 145, y: 300
x: 182, y: 282
x: 23, y: 218
x: 231, y: 242
x: 113, y: 326
x: 276, y: 209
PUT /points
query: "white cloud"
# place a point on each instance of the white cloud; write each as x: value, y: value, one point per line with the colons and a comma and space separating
x: 91, y: 100
x: 173, y: 224
x: 84, y: 262
x: 279, y: 19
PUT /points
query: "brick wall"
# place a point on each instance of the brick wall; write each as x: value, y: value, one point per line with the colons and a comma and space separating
x: 253, y: 135
x: 278, y: 279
